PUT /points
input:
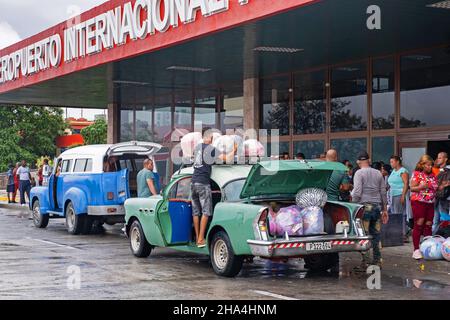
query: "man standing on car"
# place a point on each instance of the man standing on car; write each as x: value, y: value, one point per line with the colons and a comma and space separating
x: 146, y: 184
x: 205, y: 156
x: 370, y: 190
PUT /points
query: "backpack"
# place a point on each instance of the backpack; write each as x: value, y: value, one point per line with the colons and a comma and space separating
x: 443, y: 176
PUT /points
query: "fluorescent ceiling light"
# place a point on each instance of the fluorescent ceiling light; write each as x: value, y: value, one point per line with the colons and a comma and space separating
x: 347, y: 69
x: 192, y: 69
x: 278, y: 49
x: 440, y: 5
x: 136, y: 83
x: 418, y: 57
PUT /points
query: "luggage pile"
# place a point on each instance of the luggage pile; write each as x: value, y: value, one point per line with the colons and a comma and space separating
x: 231, y: 145
x: 303, y: 219
x: 435, y: 248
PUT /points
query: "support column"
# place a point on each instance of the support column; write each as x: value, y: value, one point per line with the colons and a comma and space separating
x: 113, y: 123
x: 251, y: 79
x: 251, y: 103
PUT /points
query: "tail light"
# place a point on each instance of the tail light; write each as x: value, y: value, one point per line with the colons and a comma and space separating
x: 110, y: 195
x: 262, y: 225
x: 360, y: 213
x: 358, y: 222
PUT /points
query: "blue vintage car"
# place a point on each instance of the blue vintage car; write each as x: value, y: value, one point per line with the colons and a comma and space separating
x: 90, y: 184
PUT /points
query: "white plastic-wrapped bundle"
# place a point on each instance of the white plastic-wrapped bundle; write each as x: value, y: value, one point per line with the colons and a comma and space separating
x: 189, y: 142
x: 311, y: 197
x: 224, y: 144
x: 289, y: 220
x: 253, y: 148
x: 312, y: 218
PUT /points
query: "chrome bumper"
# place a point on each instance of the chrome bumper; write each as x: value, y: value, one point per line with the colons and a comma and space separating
x: 298, y: 247
x: 108, y: 211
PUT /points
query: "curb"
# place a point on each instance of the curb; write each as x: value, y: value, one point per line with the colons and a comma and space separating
x: 14, y: 207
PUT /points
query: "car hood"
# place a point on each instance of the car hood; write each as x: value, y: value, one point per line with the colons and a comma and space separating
x: 288, y: 177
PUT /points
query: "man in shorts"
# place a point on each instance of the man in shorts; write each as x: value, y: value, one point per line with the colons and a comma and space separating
x: 205, y: 156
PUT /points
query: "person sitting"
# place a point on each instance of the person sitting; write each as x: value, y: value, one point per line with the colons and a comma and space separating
x: 146, y: 183
x: 110, y: 165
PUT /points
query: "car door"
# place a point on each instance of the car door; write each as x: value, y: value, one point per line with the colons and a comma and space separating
x: 53, y: 185
x: 175, y: 213
x: 62, y: 184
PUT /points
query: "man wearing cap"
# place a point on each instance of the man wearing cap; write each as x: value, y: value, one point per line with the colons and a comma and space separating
x: 370, y: 190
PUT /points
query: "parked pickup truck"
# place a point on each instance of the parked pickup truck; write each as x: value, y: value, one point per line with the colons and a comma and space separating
x: 239, y: 228
x: 90, y: 184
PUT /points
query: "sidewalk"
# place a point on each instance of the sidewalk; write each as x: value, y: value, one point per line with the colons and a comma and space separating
x: 16, y: 206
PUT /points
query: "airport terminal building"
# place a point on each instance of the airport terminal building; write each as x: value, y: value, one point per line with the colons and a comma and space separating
x: 349, y: 74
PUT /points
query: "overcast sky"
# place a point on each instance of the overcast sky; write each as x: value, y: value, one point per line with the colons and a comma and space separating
x: 21, y: 19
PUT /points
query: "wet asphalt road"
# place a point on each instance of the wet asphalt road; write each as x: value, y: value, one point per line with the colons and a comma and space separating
x: 34, y: 264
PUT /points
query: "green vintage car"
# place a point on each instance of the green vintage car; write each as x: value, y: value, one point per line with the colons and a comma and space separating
x: 239, y: 228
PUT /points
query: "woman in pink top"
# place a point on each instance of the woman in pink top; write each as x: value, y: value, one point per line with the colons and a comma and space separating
x: 423, y: 186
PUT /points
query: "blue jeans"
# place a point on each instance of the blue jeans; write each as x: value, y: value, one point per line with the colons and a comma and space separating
x: 24, y: 187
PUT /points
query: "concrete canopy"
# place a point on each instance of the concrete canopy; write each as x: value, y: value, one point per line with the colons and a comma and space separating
x: 325, y: 32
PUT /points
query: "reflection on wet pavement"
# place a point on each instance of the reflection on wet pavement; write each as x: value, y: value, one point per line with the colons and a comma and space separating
x: 33, y: 264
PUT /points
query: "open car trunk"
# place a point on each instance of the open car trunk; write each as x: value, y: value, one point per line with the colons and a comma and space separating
x: 131, y: 156
x: 333, y: 214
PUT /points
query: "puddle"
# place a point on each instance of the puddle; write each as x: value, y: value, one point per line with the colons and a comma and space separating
x: 422, y: 284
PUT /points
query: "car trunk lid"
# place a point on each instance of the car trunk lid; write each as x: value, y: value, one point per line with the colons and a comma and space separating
x: 288, y: 177
x: 134, y: 147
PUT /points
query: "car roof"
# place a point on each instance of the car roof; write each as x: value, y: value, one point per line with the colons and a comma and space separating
x: 92, y: 150
x: 222, y: 174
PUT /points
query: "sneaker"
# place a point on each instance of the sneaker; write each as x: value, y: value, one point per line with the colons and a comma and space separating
x: 417, y: 255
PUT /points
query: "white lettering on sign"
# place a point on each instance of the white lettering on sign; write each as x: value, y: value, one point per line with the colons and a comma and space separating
x: 107, y: 30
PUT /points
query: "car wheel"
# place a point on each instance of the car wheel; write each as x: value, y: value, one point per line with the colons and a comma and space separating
x: 322, y: 262
x: 224, y: 262
x: 138, y: 243
x: 76, y: 224
x: 40, y: 220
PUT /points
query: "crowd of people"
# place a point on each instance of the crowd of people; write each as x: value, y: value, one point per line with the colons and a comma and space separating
x: 422, y: 197
x: 20, y: 180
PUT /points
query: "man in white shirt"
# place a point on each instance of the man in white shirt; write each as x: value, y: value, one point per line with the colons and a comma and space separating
x: 24, y: 182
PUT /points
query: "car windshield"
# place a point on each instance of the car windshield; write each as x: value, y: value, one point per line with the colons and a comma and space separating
x: 233, y: 190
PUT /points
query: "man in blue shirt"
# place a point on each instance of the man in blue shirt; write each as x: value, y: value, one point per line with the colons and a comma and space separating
x: 146, y: 184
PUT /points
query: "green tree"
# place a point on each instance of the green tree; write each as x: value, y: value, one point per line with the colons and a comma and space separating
x: 28, y: 133
x: 96, y: 133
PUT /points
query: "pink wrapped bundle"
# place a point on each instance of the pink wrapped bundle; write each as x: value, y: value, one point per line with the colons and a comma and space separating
x: 273, y: 228
x: 289, y: 220
x: 189, y: 142
x: 253, y: 148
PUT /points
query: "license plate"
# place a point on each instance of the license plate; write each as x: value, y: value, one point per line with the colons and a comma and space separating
x: 318, y: 246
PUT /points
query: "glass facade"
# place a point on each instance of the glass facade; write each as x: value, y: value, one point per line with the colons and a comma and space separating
x: 275, y: 104
x: 382, y: 148
x: 361, y: 105
x: 311, y: 149
x: 383, y: 94
x: 348, y: 149
x: 310, y: 103
x: 425, y: 89
x: 349, y: 98
x: 232, y: 109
